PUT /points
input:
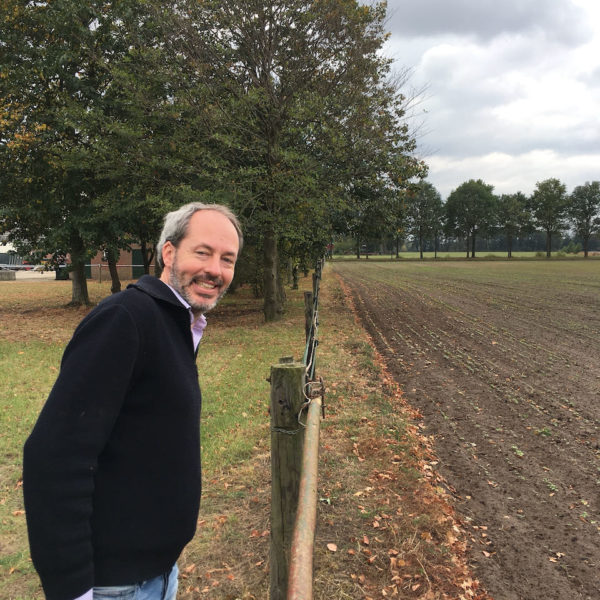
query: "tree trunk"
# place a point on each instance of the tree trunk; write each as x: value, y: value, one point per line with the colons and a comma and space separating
x: 79, y: 290
x: 147, y: 255
x: 548, y: 244
x: 112, y: 258
x: 273, y: 307
x: 509, y: 245
x: 281, y: 295
x: 586, y: 240
x: 473, y: 245
x: 357, y: 247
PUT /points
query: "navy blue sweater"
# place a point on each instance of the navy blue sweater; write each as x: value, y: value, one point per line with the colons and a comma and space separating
x: 111, y: 471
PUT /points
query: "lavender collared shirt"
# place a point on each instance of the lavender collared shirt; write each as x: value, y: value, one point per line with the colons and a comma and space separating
x: 198, y: 323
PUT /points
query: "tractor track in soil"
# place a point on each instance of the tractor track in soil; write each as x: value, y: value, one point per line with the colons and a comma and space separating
x: 507, y: 377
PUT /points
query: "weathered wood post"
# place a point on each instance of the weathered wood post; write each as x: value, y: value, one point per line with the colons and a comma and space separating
x: 287, y: 440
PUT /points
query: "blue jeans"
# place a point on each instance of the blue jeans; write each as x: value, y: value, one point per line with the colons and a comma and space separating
x: 163, y: 587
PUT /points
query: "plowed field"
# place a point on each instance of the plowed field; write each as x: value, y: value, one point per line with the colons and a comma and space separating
x: 503, y: 361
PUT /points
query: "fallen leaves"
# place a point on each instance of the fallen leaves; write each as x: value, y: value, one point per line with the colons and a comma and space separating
x: 256, y: 534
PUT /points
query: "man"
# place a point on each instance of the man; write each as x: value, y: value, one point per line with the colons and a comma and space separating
x: 111, y: 471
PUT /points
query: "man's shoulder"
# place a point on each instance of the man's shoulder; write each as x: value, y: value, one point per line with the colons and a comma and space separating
x: 145, y: 296
x: 146, y: 291
x: 152, y: 286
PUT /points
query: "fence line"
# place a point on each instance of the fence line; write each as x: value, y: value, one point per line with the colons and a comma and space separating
x: 294, y: 461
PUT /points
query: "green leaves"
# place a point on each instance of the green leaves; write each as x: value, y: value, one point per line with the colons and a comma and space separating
x: 584, y: 211
x: 285, y: 109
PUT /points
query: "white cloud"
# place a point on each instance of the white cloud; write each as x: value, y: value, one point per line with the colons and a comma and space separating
x: 513, y: 173
x: 513, y: 88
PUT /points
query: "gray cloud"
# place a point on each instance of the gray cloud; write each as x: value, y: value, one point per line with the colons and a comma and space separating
x: 486, y: 19
x: 512, y: 88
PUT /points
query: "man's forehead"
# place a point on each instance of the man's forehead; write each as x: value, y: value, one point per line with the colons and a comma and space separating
x: 207, y: 227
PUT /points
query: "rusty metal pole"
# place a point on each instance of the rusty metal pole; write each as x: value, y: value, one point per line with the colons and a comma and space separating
x: 300, y: 579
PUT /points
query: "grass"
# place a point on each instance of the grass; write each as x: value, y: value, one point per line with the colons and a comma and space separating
x: 480, y: 255
x: 379, y: 499
x: 233, y: 363
x: 234, y: 366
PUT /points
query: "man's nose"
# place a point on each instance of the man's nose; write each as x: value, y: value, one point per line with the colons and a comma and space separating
x: 213, y: 266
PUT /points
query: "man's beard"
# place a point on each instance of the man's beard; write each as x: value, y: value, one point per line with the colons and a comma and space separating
x: 175, y: 280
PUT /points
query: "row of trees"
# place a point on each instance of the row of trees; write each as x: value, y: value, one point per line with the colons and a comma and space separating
x: 473, y: 211
x: 114, y: 112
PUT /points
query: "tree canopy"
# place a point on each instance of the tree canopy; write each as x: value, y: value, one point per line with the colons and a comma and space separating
x: 512, y: 217
x: 548, y: 208
x: 115, y: 112
x: 584, y: 211
x: 424, y: 211
x: 93, y: 133
x: 470, y: 211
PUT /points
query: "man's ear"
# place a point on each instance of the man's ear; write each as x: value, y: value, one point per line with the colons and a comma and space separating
x: 168, y: 252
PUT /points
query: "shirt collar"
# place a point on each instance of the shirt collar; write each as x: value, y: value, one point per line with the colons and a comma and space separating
x: 198, y: 323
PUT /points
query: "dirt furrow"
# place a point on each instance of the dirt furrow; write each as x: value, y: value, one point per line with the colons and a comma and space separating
x: 515, y: 419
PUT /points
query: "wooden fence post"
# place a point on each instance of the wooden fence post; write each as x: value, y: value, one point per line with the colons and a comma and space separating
x: 287, y: 440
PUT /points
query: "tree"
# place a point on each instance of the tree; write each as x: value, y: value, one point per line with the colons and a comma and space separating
x: 584, y: 211
x: 40, y: 83
x: 368, y: 151
x: 424, y: 209
x: 98, y: 136
x: 512, y: 217
x: 287, y: 75
x: 470, y: 211
x: 115, y: 112
x: 548, y: 207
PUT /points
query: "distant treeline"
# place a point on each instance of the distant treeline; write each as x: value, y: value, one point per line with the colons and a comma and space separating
x: 474, y: 219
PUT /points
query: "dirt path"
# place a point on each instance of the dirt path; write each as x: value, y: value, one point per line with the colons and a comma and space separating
x: 504, y: 367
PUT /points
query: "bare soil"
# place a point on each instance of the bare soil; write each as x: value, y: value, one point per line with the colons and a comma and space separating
x: 502, y: 361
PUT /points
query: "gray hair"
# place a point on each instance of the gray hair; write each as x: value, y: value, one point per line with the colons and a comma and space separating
x: 176, y: 224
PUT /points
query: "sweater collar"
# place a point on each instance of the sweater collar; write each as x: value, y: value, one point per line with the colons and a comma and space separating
x: 157, y: 289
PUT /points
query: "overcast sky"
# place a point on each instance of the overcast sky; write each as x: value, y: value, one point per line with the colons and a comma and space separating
x: 513, y: 88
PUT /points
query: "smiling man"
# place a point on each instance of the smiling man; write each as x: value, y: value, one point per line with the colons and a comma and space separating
x: 199, y: 266
x: 111, y: 471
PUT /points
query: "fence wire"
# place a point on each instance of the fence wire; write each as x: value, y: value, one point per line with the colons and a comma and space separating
x: 312, y: 341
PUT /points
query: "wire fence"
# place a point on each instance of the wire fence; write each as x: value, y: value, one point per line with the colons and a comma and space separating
x: 297, y: 406
x: 312, y: 339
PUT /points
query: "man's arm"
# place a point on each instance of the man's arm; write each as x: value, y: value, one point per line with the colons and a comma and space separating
x: 61, y: 455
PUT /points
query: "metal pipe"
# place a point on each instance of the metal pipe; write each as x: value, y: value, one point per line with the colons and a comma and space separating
x: 300, y: 577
